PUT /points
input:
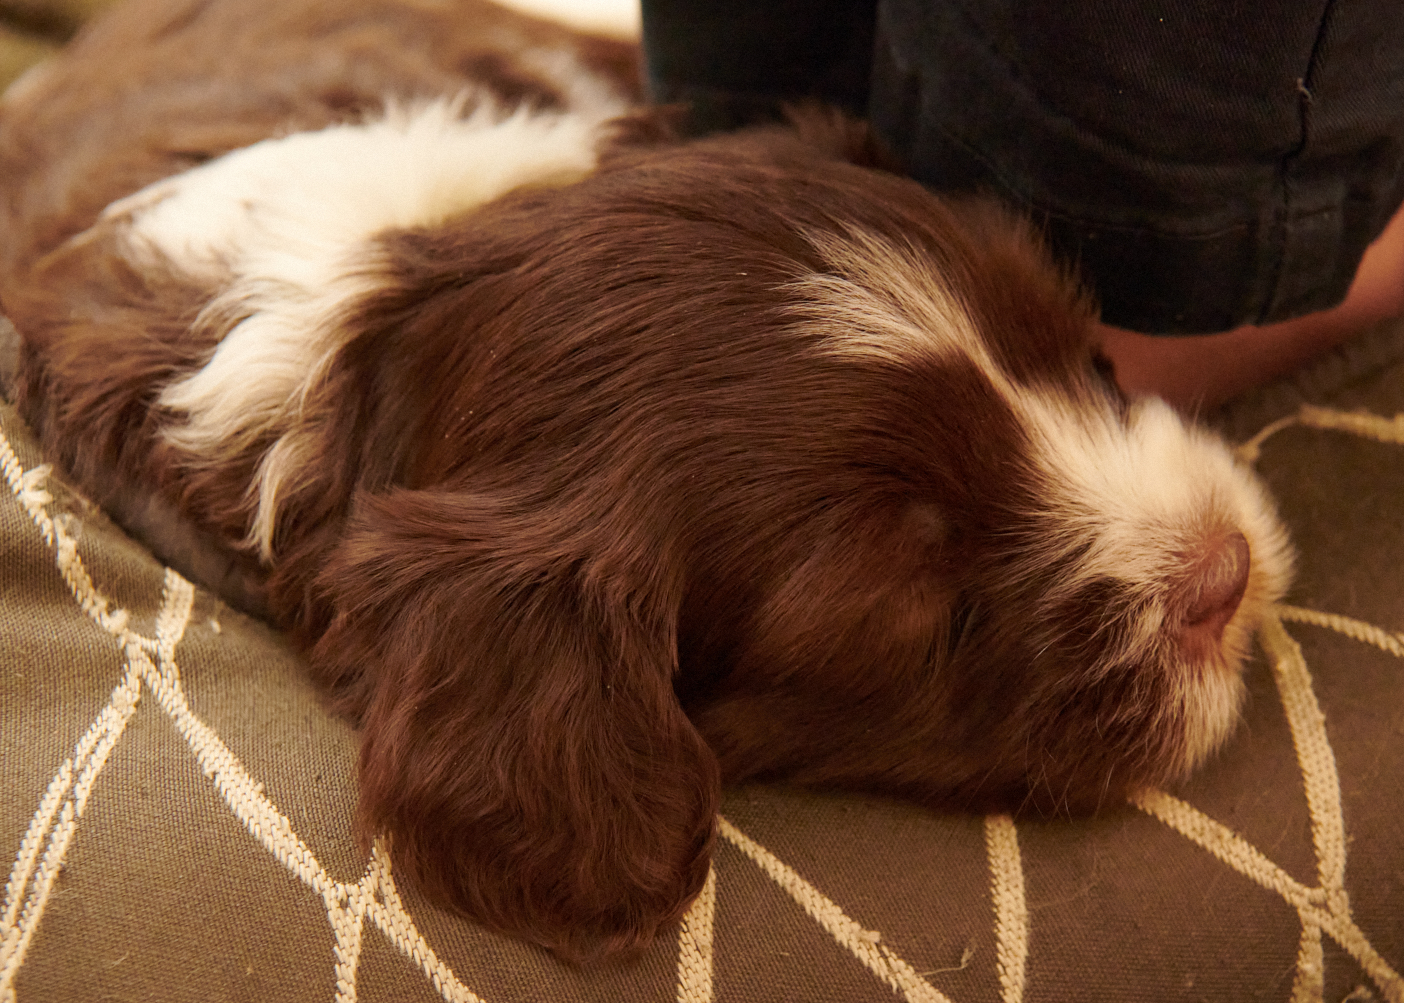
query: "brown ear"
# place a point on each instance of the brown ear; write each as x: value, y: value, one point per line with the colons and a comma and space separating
x: 522, y: 744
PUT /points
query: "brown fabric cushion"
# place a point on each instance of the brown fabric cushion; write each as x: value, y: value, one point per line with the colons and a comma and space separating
x: 179, y: 803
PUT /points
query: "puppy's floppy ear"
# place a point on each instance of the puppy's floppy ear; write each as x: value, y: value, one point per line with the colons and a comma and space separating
x: 522, y: 744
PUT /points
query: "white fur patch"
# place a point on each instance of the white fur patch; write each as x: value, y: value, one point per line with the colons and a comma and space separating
x: 284, y: 227
x: 882, y: 303
x: 1209, y: 705
x: 1143, y: 491
x: 1135, y: 496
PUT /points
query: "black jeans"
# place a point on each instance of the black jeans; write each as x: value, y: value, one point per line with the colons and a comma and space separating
x: 1206, y: 163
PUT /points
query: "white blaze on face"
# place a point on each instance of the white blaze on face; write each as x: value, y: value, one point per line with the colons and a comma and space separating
x: 283, y: 229
x: 1135, y: 496
x: 883, y: 302
x: 1134, y: 490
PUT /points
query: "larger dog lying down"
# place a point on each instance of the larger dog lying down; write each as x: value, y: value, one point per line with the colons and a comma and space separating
x: 592, y: 469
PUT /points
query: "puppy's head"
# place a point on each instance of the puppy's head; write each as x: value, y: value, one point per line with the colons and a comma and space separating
x: 1005, y: 585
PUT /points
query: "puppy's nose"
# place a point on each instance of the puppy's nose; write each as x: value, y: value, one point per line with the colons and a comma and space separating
x: 1215, y: 587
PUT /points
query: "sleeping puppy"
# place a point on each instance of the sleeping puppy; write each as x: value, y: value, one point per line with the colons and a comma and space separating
x: 592, y: 469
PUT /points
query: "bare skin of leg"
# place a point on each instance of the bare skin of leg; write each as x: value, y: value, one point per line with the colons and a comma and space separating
x: 1200, y: 372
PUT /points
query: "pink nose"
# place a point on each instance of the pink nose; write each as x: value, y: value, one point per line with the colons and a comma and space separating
x: 1215, y: 587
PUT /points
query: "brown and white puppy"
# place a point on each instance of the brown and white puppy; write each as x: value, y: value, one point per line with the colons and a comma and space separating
x: 591, y: 471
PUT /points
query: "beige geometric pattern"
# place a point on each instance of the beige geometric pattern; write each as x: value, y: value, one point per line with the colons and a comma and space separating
x: 152, y: 667
x: 1322, y: 909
